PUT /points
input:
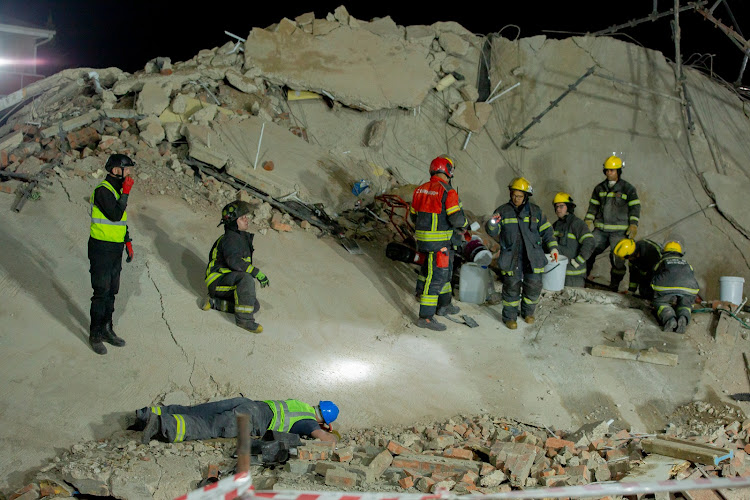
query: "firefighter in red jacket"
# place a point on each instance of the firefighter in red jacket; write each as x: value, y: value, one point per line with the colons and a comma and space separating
x: 436, y: 212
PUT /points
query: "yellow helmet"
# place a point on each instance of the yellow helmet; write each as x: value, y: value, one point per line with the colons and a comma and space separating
x: 562, y: 198
x: 624, y: 248
x: 521, y: 184
x: 673, y: 246
x: 613, y: 163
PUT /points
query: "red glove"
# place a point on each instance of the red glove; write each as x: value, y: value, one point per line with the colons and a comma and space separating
x: 467, y: 236
x: 129, y: 246
x: 127, y: 185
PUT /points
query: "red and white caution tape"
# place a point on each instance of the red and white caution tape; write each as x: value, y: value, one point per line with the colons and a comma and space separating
x: 239, y: 485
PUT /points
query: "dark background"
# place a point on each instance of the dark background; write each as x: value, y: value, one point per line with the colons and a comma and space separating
x: 127, y: 34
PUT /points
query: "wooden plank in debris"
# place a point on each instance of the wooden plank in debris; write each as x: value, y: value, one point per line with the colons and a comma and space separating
x: 656, y: 467
x: 646, y: 355
x: 687, y: 450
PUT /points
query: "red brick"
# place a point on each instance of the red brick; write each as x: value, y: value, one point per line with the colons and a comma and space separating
x: 165, y: 72
x: 341, y: 478
x: 578, y: 471
x: 412, y: 473
x: 25, y: 492
x: 470, y: 477
x: 747, y: 448
x: 424, y: 464
x: 559, y: 469
x: 486, y: 469
x: 4, y: 158
x: 398, y: 449
x: 613, y: 454
x: 406, y: 482
x: 459, y: 453
x: 556, y: 444
x: 425, y: 484
x: 548, y: 472
x: 460, y: 428
x: 278, y: 225
x: 79, y: 139
x: 441, y: 476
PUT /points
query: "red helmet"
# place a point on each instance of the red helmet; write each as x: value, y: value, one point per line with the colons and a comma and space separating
x: 442, y: 165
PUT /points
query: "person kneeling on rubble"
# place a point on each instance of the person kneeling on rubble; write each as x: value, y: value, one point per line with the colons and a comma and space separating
x: 230, y: 270
x: 521, y: 229
x: 642, y: 256
x: 177, y: 423
x: 675, y: 288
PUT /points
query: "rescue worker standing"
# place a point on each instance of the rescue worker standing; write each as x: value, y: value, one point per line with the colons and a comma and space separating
x: 177, y: 423
x: 521, y: 228
x: 613, y: 214
x: 574, y: 240
x: 675, y: 288
x: 642, y: 257
x: 436, y: 212
x: 108, y: 237
x: 230, y: 271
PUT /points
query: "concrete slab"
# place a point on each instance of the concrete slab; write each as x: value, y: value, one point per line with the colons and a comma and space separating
x: 730, y: 193
x: 358, y: 68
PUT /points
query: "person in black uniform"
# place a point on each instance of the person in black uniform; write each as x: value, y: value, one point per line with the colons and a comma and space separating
x: 108, y: 238
x: 230, y: 270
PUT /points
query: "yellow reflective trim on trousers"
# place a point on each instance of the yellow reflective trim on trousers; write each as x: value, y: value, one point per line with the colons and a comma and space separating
x: 529, y: 301
x: 612, y: 227
x: 658, y: 311
x: 634, y: 202
x: 428, y: 300
x: 225, y: 288
x: 244, y: 309
x: 594, y: 202
x: 515, y: 303
x: 179, y: 434
x: 538, y: 270
x: 692, y: 291
x: 428, y: 279
x: 447, y: 288
x: 433, y: 235
x: 686, y: 308
x: 587, y: 235
x: 156, y: 410
x: 575, y: 272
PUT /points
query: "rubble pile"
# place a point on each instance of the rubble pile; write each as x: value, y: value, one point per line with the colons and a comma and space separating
x: 464, y: 454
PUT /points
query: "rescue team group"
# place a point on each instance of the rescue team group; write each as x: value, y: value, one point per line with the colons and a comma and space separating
x: 659, y: 274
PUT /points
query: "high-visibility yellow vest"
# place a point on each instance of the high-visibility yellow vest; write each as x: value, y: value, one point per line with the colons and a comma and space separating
x: 289, y: 412
x: 102, y: 228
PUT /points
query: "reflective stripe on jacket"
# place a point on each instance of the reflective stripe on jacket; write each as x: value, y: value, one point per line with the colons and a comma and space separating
x: 102, y: 228
x: 232, y: 251
x: 288, y: 412
x: 575, y: 241
x: 614, y: 209
x: 673, y: 275
x: 527, y: 228
x: 436, y: 211
x: 642, y: 267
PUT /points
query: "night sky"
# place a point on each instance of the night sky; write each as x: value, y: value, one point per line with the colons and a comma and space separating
x: 127, y: 34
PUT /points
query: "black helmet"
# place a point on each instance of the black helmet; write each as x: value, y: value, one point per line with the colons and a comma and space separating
x: 118, y: 160
x: 233, y: 211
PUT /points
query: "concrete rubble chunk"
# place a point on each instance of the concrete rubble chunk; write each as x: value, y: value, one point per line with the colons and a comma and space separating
x: 380, y: 463
x: 729, y: 193
x: 205, y: 114
x: 453, y: 44
x: 341, y: 478
x: 72, y: 124
x: 153, y: 98
x: 151, y: 130
x: 286, y: 27
x: 493, y: 479
x: 471, y: 116
x: 341, y: 14
x: 136, y: 83
x: 385, y: 26
x: 322, y: 27
x: 305, y: 19
x: 375, y: 134
x: 324, y: 64
x: 123, y: 114
x: 11, y: 141
x: 240, y: 82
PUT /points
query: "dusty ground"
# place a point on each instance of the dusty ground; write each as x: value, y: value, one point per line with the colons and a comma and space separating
x: 337, y: 326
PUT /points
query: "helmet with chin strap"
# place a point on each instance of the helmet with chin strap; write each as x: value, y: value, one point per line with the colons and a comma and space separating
x: 442, y: 165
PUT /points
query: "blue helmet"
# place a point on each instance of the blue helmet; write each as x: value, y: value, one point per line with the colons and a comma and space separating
x: 329, y: 411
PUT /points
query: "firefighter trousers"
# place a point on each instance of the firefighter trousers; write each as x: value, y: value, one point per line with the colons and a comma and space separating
x: 671, y: 305
x: 105, y: 266
x: 434, y: 282
x: 238, y: 288
x: 604, y: 240
x: 520, y: 287
x: 205, y: 421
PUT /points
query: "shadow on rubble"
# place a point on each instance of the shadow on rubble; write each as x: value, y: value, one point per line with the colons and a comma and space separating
x: 186, y: 267
x: 35, y: 273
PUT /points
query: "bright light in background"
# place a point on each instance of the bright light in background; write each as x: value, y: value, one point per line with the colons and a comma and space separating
x: 348, y: 371
x: 20, y: 62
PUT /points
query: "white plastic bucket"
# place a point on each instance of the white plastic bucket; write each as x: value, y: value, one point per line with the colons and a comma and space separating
x: 731, y: 289
x: 473, y: 283
x: 553, y: 279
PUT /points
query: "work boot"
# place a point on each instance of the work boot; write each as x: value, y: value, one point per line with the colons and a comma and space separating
x: 95, y: 341
x: 670, y: 325
x: 109, y: 336
x: 251, y: 327
x: 448, y: 309
x: 151, y: 429
x: 205, y: 305
x: 681, y: 324
x: 529, y: 319
x: 431, y: 324
x: 511, y: 324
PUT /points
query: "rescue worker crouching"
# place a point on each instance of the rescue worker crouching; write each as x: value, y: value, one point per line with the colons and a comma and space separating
x: 613, y: 214
x: 521, y: 229
x: 642, y: 256
x: 574, y: 240
x: 230, y: 272
x: 675, y: 288
x: 176, y: 423
x: 436, y: 212
x: 108, y: 238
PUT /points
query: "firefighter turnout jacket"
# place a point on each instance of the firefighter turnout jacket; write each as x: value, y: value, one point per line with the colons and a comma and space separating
x: 523, y: 227
x: 647, y: 256
x: 614, y: 208
x: 575, y: 241
x: 287, y: 413
x: 436, y: 211
x: 232, y: 251
x: 673, y: 275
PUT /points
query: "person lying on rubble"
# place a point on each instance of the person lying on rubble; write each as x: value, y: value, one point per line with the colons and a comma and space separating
x: 675, y: 288
x: 230, y: 271
x: 574, y: 239
x: 521, y: 229
x: 176, y: 423
x: 641, y: 256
